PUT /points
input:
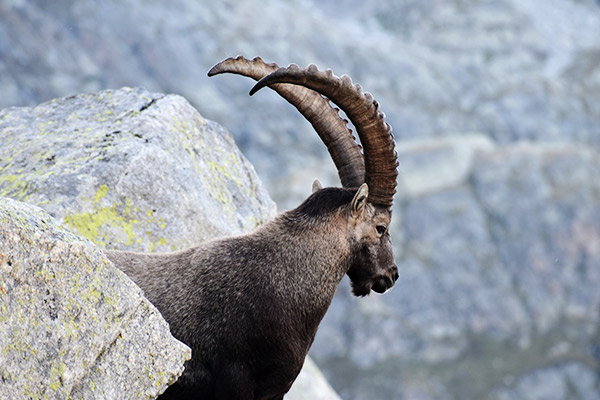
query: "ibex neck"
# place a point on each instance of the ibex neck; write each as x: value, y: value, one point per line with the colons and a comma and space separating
x: 314, y: 259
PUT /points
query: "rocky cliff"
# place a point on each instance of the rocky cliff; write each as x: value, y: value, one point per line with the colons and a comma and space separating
x: 509, y: 69
x: 495, y: 105
x: 498, y: 248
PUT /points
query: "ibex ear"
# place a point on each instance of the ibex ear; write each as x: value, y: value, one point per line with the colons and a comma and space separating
x: 316, y: 185
x: 360, y: 199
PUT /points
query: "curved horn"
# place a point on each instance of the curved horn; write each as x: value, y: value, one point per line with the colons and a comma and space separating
x: 326, y: 121
x: 381, y: 160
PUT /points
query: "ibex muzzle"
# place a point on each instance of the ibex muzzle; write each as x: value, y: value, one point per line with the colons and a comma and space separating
x: 249, y: 337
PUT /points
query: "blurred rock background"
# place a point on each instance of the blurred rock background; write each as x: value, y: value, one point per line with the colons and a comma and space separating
x: 496, y: 109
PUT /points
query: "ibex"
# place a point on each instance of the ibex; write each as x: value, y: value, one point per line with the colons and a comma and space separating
x: 249, y: 306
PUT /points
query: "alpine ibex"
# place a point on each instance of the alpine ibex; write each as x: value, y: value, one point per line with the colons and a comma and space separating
x: 249, y: 306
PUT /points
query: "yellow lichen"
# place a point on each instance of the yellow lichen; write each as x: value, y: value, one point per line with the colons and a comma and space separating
x: 56, y: 372
x: 91, y: 224
x: 99, y: 224
x: 161, y: 242
x: 101, y: 193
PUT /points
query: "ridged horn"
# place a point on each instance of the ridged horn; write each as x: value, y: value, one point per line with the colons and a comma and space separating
x: 331, y: 128
x: 381, y: 160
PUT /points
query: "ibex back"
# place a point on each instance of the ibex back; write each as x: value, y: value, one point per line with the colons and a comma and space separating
x: 249, y: 306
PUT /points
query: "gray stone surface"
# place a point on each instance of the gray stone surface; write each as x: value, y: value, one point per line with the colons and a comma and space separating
x: 71, y: 324
x: 311, y: 385
x: 130, y: 169
x: 565, y: 381
x: 498, y: 292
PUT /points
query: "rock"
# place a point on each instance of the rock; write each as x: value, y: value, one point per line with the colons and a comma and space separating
x: 570, y: 380
x: 510, y: 69
x: 498, y: 279
x: 71, y: 324
x: 311, y: 384
x: 129, y: 169
x: 432, y: 166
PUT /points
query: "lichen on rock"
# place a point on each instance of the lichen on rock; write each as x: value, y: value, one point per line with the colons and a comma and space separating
x: 117, y: 165
x: 70, y: 322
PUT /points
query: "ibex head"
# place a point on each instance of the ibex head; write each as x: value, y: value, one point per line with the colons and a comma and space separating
x: 371, y: 177
x: 372, y: 266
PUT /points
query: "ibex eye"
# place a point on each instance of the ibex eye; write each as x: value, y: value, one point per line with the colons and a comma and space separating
x: 381, y: 229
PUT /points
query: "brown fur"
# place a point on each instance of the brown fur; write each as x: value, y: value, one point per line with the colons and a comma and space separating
x: 249, y: 306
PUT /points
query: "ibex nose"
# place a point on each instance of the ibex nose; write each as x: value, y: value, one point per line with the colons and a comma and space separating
x: 394, y: 271
x: 391, y: 277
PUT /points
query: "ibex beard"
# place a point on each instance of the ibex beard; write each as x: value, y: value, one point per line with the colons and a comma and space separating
x: 249, y: 306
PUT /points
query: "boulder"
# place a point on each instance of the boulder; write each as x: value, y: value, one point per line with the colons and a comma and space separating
x: 130, y: 169
x: 71, y: 324
x: 311, y: 385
